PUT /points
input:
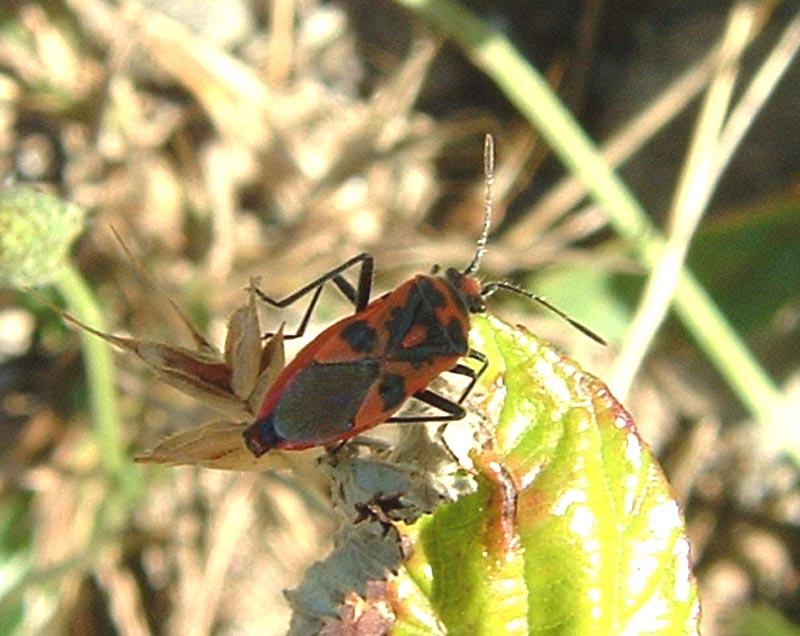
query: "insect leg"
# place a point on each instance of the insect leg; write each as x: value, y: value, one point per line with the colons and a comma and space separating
x: 463, y: 369
x: 452, y: 410
x: 359, y: 296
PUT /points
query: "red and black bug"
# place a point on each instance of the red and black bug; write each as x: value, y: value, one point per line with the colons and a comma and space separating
x: 358, y: 372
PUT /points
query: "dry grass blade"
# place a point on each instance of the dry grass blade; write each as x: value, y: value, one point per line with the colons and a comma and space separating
x: 691, y: 199
x: 219, y: 445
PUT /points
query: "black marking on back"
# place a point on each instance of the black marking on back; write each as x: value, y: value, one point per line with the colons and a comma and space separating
x: 456, y: 335
x: 392, y: 390
x: 420, y: 310
x: 321, y: 402
x: 360, y: 336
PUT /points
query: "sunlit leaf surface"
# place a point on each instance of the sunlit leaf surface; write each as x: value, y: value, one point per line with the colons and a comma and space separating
x: 572, y: 530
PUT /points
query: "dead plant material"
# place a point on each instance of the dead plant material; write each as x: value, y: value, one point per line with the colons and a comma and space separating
x: 233, y: 381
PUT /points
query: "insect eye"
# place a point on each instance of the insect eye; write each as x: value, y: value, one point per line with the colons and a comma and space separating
x: 476, y: 304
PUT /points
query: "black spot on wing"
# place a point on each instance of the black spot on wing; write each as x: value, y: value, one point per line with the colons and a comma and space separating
x: 360, y: 336
x: 321, y: 402
x: 392, y: 390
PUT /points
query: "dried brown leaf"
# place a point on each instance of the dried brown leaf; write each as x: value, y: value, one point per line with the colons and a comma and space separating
x: 219, y: 445
x: 370, y: 616
x: 243, y: 350
x: 271, y: 363
x: 234, y: 382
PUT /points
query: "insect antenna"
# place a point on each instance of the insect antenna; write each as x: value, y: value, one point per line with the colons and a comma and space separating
x: 491, y: 288
x: 488, y: 174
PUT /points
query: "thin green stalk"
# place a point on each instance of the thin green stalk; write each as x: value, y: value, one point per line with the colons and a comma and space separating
x: 530, y: 93
x: 100, y: 374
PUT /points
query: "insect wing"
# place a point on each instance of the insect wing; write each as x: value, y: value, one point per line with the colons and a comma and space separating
x: 320, y: 404
x: 316, y: 398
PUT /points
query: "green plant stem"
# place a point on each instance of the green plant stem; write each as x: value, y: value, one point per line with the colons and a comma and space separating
x: 100, y: 374
x: 530, y: 93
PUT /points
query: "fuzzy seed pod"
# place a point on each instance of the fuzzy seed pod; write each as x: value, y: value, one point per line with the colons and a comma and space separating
x: 36, y: 232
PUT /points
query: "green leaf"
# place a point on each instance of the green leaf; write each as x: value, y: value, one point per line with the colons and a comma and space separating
x: 572, y: 529
x: 750, y: 263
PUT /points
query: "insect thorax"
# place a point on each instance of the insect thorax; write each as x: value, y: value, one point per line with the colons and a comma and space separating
x: 432, y: 321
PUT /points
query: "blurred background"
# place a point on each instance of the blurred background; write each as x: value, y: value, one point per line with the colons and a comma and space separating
x: 225, y: 140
